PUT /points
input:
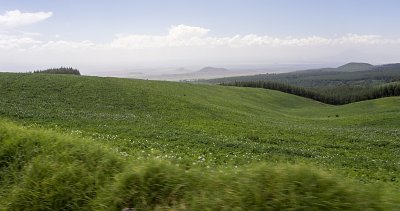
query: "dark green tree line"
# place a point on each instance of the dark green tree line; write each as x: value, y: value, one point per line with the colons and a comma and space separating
x: 335, y: 96
x: 61, y: 70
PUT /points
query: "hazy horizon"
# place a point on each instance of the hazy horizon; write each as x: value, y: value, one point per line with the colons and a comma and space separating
x: 156, y: 37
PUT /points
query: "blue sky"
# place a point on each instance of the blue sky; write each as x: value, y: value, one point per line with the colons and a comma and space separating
x: 101, y: 22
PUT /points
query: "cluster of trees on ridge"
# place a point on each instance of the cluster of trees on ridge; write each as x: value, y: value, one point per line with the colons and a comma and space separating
x: 61, y: 70
x: 335, y: 96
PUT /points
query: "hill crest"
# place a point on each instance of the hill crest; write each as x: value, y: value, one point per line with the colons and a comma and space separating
x: 355, y: 66
x: 212, y: 70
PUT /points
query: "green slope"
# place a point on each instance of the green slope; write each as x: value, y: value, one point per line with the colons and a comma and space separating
x: 232, y: 126
x: 209, y: 127
x: 45, y: 170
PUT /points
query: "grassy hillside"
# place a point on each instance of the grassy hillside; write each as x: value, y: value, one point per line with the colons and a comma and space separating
x: 44, y: 170
x: 348, y: 83
x: 198, y: 128
x: 334, y: 96
x: 227, y: 125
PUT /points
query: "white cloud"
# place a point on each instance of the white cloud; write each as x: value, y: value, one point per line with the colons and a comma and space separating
x: 24, y: 41
x: 65, y: 45
x: 183, y: 36
x: 186, y: 32
x: 189, y: 36
x: 177, y: 36
x: 17, y: 18
x: 189, y: 45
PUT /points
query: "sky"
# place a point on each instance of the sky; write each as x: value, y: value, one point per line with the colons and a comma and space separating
x: 150, y: 35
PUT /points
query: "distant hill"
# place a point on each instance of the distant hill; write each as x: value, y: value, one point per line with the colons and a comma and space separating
x: 354, y: 67
x: 203, y: 73
x: 354, y: 74
x: 349, y: 67
x: 212, y: 70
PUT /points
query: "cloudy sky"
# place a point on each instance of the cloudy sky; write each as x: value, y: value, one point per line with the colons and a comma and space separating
x: 105, y: 35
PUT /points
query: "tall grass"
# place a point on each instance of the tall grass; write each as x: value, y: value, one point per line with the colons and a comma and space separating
x: 45, y: 170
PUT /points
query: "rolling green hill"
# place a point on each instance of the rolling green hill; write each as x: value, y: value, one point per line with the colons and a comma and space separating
x: 354, y: 67
x: 348, y: 83
x: 191, y: 127
x: 351, y: 74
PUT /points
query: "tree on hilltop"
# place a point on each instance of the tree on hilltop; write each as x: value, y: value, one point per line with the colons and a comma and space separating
x: 61, y: 70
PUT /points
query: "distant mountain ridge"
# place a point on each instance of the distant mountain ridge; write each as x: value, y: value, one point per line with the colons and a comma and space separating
x: 207, y: 72
x: 353, y: 67
x: 356, y: 67
x: 356, y: 74
x: 349, y: 67
x: 213, y: 70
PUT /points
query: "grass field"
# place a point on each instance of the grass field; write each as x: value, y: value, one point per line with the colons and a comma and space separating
x: 216, y: 147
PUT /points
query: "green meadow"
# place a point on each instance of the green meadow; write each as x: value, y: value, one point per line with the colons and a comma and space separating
x: 89, y: 143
